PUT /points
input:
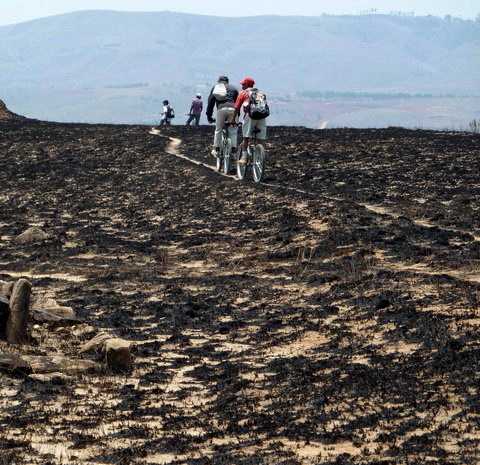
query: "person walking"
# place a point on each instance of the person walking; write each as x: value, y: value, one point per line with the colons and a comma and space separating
x: 167, y: 114
x: 195, y: 111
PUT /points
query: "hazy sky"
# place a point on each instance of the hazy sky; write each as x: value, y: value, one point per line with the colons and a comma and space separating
x: 12, y: 11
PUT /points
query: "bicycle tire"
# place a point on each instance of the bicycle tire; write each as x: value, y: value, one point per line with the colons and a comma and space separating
x: 218, y: 163
x: 241, y: 169
x: 227, y: 156
x: 258, y: 165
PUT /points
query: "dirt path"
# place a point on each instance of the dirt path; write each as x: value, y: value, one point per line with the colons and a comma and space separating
x: 173, y: 148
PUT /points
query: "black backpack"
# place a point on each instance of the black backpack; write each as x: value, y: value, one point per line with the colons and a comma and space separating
x: 170, y: 112
x: 258, y: 106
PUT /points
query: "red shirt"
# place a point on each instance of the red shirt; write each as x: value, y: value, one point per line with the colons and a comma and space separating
x: 243, y: 97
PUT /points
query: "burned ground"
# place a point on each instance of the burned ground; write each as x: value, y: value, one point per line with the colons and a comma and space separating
x: 329, y: 316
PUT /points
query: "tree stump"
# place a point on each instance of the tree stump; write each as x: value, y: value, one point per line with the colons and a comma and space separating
x: 16, y: 329
x: 4, y: 312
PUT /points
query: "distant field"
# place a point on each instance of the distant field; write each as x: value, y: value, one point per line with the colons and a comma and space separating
x: 364, y: 112
x: 140, y: 103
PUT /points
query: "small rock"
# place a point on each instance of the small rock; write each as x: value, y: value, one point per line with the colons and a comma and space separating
x: 60, y: 364
x: 51, y: 378
x: 31, y: 236
x: 46, y: 309
x: 117, y: 355
x: 83, y: 330
x: 382, y: 303
x: 14, y: 363
x: 116, y: 352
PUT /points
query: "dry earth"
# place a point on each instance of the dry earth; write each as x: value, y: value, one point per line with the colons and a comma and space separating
x: 328, y: 317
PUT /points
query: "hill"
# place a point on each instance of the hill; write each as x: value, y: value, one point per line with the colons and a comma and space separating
x: 111, y: 66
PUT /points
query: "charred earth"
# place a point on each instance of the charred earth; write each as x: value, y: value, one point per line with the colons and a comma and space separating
x: 329, y: 316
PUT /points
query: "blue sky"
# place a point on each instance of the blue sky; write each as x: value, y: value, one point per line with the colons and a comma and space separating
x: 12, y: 11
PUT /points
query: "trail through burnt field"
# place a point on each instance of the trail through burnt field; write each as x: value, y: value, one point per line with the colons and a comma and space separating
x: 328, y: 317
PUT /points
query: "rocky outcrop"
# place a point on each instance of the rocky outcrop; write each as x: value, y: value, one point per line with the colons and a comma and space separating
x: 6, y: 114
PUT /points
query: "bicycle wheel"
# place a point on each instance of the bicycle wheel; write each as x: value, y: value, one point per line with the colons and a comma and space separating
x: 227, y: 155
x: 241, y: 168
x: 258, y: 168
x: 218, y: 164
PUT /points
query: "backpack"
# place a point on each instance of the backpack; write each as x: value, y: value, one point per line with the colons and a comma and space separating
x: 170, y: 112
x: 258, y: 107
x: 220, y: 92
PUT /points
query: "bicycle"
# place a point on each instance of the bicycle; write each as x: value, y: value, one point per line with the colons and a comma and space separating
x: 225, y: 155
x: 255, y: 160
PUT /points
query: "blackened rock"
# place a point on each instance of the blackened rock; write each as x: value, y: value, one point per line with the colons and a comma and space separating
x: 4, y: 311
x: 382, y: 303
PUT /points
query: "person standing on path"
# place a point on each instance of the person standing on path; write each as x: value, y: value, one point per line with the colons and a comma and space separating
x: 195, y: 111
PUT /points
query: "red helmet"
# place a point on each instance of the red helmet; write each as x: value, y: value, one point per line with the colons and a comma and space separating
x: 248, y: 82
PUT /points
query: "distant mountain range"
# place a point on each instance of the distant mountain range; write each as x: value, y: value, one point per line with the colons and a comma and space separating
x: 117, y: 67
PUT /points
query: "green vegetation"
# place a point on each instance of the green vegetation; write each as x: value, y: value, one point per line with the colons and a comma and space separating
x: 374, y: 95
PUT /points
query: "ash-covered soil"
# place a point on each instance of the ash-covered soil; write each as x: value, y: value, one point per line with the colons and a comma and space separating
x: 328, y: 317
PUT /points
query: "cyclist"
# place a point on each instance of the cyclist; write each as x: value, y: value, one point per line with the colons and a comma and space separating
x: 223, y: 97
x: 249, y: 124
